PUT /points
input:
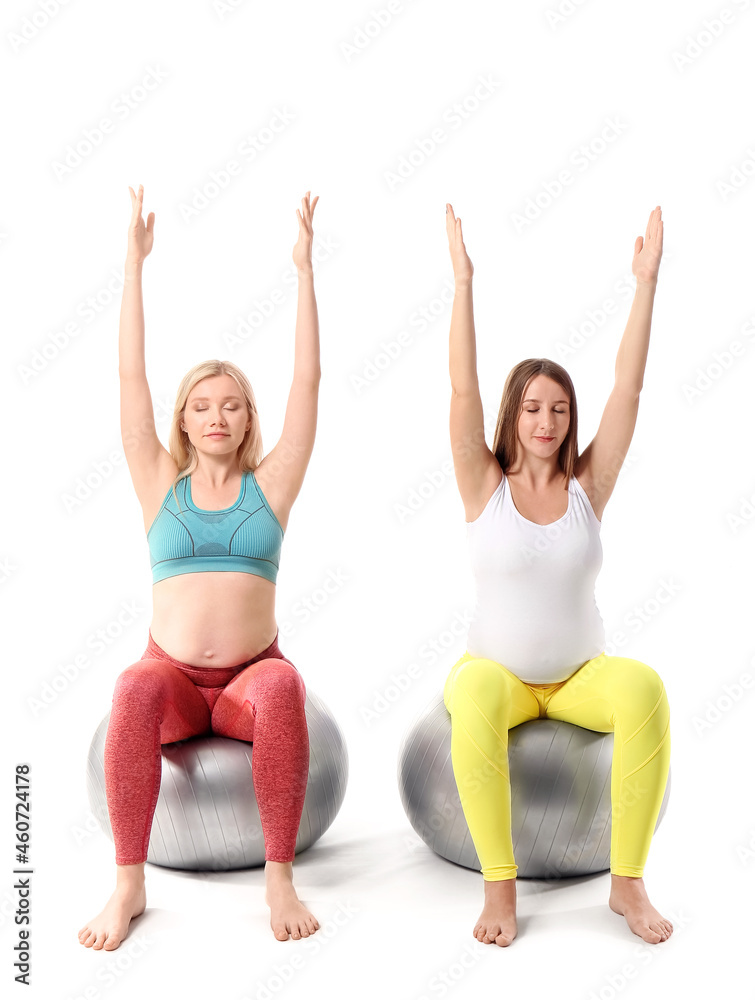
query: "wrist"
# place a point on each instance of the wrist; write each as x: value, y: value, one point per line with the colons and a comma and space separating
x: 305, y: 272
x: 647, y: 285
x: 462, y: 284
x: 133, y: 267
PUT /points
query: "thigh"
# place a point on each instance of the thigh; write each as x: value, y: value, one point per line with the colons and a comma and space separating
x: 270, y: 684
x: 492, y: 688
x: 606, y: 689
x: 155, y: 689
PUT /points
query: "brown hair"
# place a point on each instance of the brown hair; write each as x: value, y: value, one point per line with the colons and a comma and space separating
x: 180, y: 447
x: 506, y: 441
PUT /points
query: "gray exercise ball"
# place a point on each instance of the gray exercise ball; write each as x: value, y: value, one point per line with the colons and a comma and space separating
x: 560, y: 795
x: 206, y: 818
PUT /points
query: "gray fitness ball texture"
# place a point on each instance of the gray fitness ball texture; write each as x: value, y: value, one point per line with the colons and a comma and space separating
x: 560, y: 795
x: 207, y: 817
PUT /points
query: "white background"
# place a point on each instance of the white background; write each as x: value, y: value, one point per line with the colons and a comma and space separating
x: 684, y: 128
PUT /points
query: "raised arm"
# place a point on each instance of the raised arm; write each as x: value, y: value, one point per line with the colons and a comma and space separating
x: 476, y: 467
x: 599, y: 464
x: 145, y: 454
x: 285, y: 464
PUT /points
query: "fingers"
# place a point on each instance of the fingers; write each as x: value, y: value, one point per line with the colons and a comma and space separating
x: 654, y: 229
x: 136, y: 202
x: 305, y: 217
x: 453, y: 225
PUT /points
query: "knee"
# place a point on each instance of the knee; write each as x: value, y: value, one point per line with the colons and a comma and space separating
x: 141, y: 684
x: 282, y: 684
x: 480, y: 679
x: 642, y: 688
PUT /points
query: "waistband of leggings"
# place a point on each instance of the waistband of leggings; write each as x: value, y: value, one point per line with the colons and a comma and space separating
x: 211, y: 676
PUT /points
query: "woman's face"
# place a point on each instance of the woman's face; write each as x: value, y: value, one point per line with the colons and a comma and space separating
x: 544, y: 417
x: 216, y: 417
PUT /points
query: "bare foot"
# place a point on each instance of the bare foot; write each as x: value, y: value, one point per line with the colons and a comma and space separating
x: 287, y: 913
x: 110, y: 927
x: 497, y: 923
x: 629, y: 899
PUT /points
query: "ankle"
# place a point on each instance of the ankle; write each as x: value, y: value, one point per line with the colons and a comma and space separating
x: 279, y: 871
x: 129, y: 876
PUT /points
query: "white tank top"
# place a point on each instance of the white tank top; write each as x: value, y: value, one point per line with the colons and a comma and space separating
x: 535, y: 609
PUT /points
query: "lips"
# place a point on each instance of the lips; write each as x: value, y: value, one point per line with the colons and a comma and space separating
x: 546, y: 439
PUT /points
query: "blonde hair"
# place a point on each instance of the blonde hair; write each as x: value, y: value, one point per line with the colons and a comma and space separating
x: 183, y: 452
x: 506, y: 440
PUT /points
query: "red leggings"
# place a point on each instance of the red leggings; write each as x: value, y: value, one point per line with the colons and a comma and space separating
x: 161, y: 700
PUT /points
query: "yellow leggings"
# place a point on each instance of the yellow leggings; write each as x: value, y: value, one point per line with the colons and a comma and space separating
x: 607, y: 693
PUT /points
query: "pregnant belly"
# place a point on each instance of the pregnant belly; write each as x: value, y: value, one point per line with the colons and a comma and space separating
x: 213, y: 619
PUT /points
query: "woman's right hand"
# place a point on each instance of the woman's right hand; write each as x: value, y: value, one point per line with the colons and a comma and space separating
x: 140, y: 237
x: 463, y: 268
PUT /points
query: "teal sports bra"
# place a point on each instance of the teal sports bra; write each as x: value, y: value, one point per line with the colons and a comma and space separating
x: 244, y: 538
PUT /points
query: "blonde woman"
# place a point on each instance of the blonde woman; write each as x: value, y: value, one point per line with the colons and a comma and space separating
x: 215, y: 511
x: 535, y: 648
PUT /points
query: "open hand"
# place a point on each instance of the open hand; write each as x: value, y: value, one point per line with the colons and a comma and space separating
x: 302, y: 254
x: 140, y: 237
x: 463, y: 268
x: 647, y: 255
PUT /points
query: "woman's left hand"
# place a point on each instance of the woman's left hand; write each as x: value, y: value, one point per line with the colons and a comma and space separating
x: 647, y: 256
x: 302, y: 254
